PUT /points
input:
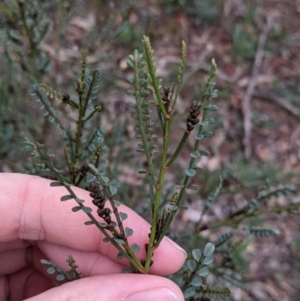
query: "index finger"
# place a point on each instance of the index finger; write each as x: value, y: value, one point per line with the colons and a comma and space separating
x: 32, y: 210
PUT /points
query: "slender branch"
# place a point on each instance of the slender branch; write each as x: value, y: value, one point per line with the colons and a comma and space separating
x: 205, y: 99
x: 280, y: 101
x: 156, y: 205
x: 138, y: 99
x: 128, y: 254
x: 51, y: 113
x: 32, y: 44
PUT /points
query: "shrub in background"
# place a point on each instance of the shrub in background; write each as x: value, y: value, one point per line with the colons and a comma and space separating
x: 84, y: 161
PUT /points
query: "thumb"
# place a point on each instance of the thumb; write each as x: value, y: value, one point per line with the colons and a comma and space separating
x: 117, y: 287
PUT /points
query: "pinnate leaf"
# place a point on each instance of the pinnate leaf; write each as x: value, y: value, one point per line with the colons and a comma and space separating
x: 190, y: 172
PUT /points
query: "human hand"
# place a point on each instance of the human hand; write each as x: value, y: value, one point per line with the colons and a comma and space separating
x: 37, y: 225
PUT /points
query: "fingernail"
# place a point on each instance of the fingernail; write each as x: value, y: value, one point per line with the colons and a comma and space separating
x: 176, y: 246
x: 162, y: 294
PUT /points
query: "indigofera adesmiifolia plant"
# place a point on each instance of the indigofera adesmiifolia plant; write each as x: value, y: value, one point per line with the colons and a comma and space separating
x: 86, y: 166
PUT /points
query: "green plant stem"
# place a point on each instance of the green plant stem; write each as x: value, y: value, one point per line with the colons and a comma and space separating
x: 37, y: 90
x: 205, y: 100
x: 88, y: 95
x: 78, y: 138
x: 32, y: 47
x: 178, y: 149
x: 176, y: 95
x: 166, y: 132
x: 138, y: 99
x: 69, y: 163
x: 82, y: 106
x: 80, y: 123
x: 183, y: 188
x: 150, y: 62
x: 157, y: 200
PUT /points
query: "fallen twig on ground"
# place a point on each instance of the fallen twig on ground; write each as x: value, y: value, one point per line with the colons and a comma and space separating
x: 246, y: 107
x: 280, y: 101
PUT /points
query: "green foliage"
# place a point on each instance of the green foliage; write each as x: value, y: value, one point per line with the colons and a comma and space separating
x: 61, y: 274
x: 85, y: 156
x: 35, y: 48
x: 192, y: 276
x: 25, y: 19
x: 85, y: 164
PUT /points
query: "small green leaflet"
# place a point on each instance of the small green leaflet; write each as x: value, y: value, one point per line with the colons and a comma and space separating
x: 51, y: 270
x: 119, y: 241
x: 123, y: 216
x: 197, y: 254
x: 66, y: 197
x: 209, y: 249
x: 128, y: 231
x: 86, y: 209
x: 113, y: 190
x: 204, y: 271
x: 189, y: 292
x: 208, y: 260
x: 60, y: 277
x: 135, y: 248
x: 191, y: 264
x: 197, y: 281
x: 53, y: 184
x: 190, y: 172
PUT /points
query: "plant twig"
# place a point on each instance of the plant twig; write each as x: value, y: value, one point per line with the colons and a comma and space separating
x: 280, y: 101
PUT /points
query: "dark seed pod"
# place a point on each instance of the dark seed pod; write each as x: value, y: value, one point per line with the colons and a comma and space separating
x: 96, y: 202
x: 84, y: 169
x: 192, y: 118
x: 121, y: 236
x: 108, y: 219
x: 66, y: 98
x: 101, y: 205
x: 93, y: 187
x: 107, y: 211
x: 100, y: 212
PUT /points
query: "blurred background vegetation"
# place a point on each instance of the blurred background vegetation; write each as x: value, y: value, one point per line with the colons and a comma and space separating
x: 42, y: 41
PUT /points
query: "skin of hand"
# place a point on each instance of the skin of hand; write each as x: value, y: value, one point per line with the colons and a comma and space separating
x: 36, y: 225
